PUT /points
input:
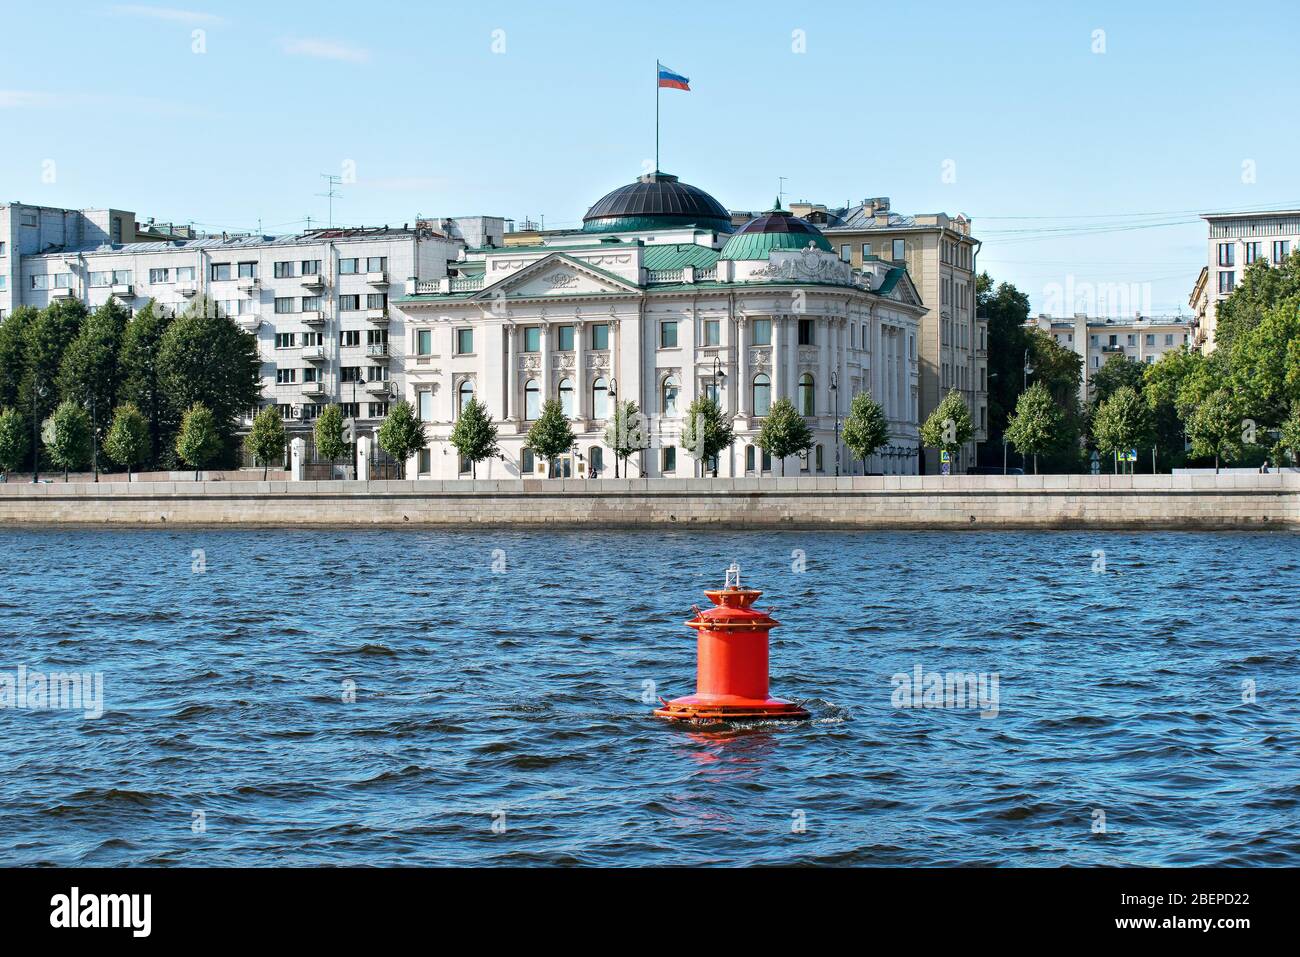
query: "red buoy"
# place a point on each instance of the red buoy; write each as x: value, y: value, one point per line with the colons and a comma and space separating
x: 731, y: 682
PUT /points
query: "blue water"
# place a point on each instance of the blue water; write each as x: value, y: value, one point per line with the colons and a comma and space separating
x: 513, y: 697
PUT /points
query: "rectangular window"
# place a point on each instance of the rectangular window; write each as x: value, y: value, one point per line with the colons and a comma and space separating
x: 347, y: 267
x: 350, y: 337
x: 286, y: 376
x: 313, y: 338
x: 377, y: 300
x: 900, y: 250
x: 1132, y: 340
x: 600, y: 335
x: 668, y: 335
x: 670, y: 459
x: 806, y: 332
x: 284, y: 340
x: 532, y: 339
x: 1169, y: 338
x: 712, y: 332
x: 98, y: 279
x: 219, y: 272
x: 564, y: 338
x: 2, y: 249
x: 350, y: 373
x: 159, y: 276
x: 762, y: 334
x: 312, y: 374
x: 350, y: 410
x: 1227, y: 281
x: 184, y: 273
x: 284, y: 270
x: 464, y: 341
x: 378, y: 410
x: 425, y: 465
x: 248, y: 270
x: 375, y: 337
x: 349, y: 303
x: 311, y: 303
x: 866, y: 250
x: 309, y: 267
x: 426, y: 406
x: 846, y: 251
x: 285, y: 304
x: 424, y: 342
x: 1227, y: 254
x: 1150, y: 339
x: 1281, y: 249
x: 1252, y: 252
x: 377, y: 264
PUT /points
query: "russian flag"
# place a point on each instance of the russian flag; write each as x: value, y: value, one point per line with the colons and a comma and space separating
x: 672, y: 81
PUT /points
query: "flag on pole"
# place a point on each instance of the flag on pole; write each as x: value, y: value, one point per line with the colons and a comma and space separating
x: 670, y: 80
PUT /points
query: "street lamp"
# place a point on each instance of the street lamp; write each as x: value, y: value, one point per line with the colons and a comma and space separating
x: 94, y: 439
x: 719, y: 377
x: 612, y: 398
x: 38, y: 391
x: 835, y: 391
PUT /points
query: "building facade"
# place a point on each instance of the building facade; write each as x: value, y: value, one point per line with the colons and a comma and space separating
x: 1098, y: 340
x: 939, y: 253
x: 1236, y: 240
x: 659, y: 299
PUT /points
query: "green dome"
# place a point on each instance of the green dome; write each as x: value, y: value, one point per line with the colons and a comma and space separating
x: 656, y: 201
x: 775, y: 229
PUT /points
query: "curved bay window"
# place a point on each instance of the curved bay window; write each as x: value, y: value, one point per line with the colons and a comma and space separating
x: 532, y: 399
x: 566, y: 397
x: 806, y: 394
x: 672, y: 387
x: 762, y: 394
x: 463, y: 395
x: 600, y: 399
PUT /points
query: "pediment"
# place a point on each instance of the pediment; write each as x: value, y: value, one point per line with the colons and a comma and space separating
x: 557, y: 276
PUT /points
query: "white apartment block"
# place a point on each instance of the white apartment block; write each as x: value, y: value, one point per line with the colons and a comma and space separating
x: 1143, y: 338
x: 318, y: 302
x: 1236, y: 240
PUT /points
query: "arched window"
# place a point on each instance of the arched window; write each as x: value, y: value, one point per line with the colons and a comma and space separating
x: 463, y: 395
x: 532, y: 399
x: 596, y: 458
x: 749, y: 458
x: 671, y: 388
x: 600, y: 399
x: 806, y: 394
x: 566, y: 397
x: 526, y: 466
x: 762, y: 394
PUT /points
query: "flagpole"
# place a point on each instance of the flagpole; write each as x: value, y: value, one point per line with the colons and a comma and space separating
x: 656, y: 169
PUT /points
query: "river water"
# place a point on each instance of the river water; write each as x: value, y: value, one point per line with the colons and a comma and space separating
x: 433, y: 697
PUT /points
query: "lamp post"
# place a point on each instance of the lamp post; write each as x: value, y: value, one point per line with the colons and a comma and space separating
x: 38, y: 391
x: 612, y: 398
x: 1024, y: 461
x: 719, y: 377
x: 94, y: 439
x: 835, y: 391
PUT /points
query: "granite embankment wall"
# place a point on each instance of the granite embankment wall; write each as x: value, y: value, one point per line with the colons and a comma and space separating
x: 1046, y: 501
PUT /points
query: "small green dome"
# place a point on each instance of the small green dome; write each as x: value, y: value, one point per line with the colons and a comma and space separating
x: 775, y: 229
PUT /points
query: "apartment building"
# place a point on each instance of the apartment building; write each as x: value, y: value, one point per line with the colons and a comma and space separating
x: 1098, y: 340
x: 316, y: 301
x: 939, y: 253
x: 1236, y: 240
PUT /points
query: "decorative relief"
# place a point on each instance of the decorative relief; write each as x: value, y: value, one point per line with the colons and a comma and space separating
x: 759, y: 357
x: 562, y: 280
x: 531, y: 362
x: 598, y: 360
x: 808, y: 356
x: 562, y: 360
x: 809, y: 264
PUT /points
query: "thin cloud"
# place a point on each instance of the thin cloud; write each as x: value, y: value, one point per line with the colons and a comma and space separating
x: 167, y: 13
x: 326, y: 50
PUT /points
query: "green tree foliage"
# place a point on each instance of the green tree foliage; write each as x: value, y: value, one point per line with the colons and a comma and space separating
x: 949, y: 426
x: 14, y: 441
x: 138, y: 359
x: 199, y: 440
x: 127, y: 442
x: 626, y: 432
x: 784, y: 432
x: 67, y: 437
x: 551, y: 435
x: 1122, y: 422
x: 865, y: 429
x: 1290, y: 439
x: 89, y: 371
x: 1119, y: 371
x: 706, y: 431
x: 1215, y: 428
x: 13, y: 352
x: 475, y: 434
x: 330, y: 442
x: 1006, y: 308
x: 265, y: 440
x: 45, y: 340
x: 206, y: 359
x: 1264, y: 364
x: 1036, y: 426
x: 1262, y: 288
x: 402, y: 434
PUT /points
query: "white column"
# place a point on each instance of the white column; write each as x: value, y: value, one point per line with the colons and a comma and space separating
x: 546, y: 362
x: 822, y: 393
x: 582, y: 406
x: 511, y: 401
x: 778, y: 356
x: 742, y: 368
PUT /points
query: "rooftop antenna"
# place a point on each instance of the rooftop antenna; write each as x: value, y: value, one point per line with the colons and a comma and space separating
x: 333, y: 180
x: 780, y: 188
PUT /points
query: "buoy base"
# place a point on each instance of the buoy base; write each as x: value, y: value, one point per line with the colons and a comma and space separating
x: 693, y: 709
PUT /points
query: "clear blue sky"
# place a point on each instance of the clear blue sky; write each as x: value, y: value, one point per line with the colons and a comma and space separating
x: 1036, y: 124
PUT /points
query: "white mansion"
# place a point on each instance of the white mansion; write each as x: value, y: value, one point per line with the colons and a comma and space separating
x: 658, y: 299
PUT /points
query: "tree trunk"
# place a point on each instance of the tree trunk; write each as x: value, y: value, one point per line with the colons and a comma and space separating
x: 265, y: 467
x: 1035, y: 463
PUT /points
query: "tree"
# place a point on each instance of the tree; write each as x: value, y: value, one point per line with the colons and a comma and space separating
x: 1290, y: 439
x: 706, y: 431
x: 949, y: 426
x: 138, y: 367
x: 45, y: 339
x: 1036, y: 425
x: 551, y: 435
x: 1119, y: 371
x: 1264, y: 365
x: 625, y: 433
x: 127, y: 442
x: 1006, y: 308
x: 784, y: 432
x: 475, y: 434
x: 402, y: 434
x: 199, y: 440
x: 1262, y: 288
x: 1122, y: 422
x: 330, y: 443
x: 68, y: 437
x: 14, y: 441
x: 206, y: 359
x: 89, y: 371
x: 1215, y: 427
x: 13, y: 353
x: 265, y: 440
x: 865, y: 429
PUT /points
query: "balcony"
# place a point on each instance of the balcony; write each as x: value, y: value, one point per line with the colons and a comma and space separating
x: 123, y: 290
x: 314, y: 353
x: 187, y: 289
x: 314, y: 388
x: 312, y: 282
x: 249, y: 322
x: 377, y: 278
x: 62, y: 292
x: 377, y: 349
x: 377, y: 317
x: 379, y: 386
x: 1112, y: 349
x: 316, y: 318
x: 247, y: 283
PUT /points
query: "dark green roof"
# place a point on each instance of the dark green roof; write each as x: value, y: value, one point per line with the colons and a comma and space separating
x: 677, y: 255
